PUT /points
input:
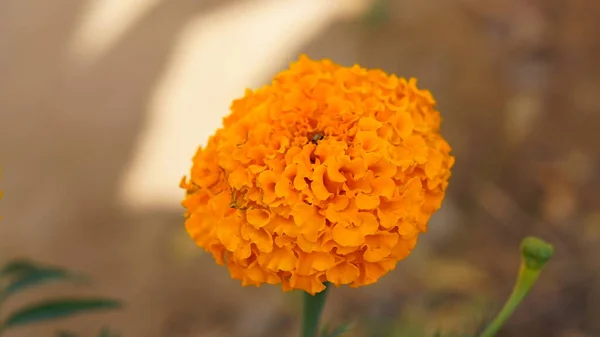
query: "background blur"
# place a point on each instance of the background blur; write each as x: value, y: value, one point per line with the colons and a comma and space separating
x: 103, y: 103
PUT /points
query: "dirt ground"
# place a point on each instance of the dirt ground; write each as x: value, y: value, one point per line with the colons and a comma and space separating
x: 516, y: 82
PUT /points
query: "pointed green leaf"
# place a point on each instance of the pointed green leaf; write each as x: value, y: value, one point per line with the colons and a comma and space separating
x: 23, y: 274
x: 58, y: 308
x: 65, y: 334
x: 107, y: 333
x: 378, y: 13
x: 324, y: 331
x: 16, y: 267
x: 38, y: 277
x: 339, y: 331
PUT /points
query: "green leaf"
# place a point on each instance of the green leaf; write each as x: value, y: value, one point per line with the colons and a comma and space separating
x: 23, y: 274
x: 58, y: 308
x: 378, y: 13
x: 17, y: 267
x: 338, y: 332
x: 107, y: 333
x: 38, y: 277
x: 66, y: 334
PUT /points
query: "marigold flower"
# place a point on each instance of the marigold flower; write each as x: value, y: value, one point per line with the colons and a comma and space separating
x: 328, y: 174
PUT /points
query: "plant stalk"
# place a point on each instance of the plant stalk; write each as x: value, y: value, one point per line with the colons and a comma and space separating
x: 311, y: 312
x: 535, y: 253
x: 526, y: 280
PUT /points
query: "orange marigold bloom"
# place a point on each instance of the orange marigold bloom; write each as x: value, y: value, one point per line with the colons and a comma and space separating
x: 328, y: 174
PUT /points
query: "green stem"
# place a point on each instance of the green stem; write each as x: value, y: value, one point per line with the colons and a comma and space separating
x: 312, y: 309
x: 1, y: 321
x: 526, y: 280
x: 535, y: 253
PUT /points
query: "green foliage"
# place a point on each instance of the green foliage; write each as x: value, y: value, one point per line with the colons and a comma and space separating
x: 105, y: 332
x: 20, y: 275
x: 58, y: 308
x: 23, y: 274
x: 378, y: 14
x: 340, y: 331
x: 451, y: 334
x: 65, y: 334
x: 535, y: 253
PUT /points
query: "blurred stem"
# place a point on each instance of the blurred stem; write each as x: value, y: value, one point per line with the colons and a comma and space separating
x: 377, y: 14
x: 1, y: 302
x: 311, y: 312
x: 535, y: 253
x: 526, y: 280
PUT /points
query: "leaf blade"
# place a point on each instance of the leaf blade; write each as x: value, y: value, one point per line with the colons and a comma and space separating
x: 23, y: 274
x: 341, y: 330
x: 57, y: 309
x: 39, y: 277
x: 106, y: 332
x: 16, y: 267
x: 65, y: 334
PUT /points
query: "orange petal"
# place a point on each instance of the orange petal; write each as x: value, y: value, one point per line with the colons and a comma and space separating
x: 345, y: 235
x: 283, y: 188
x: 309, y: 221
x: 239, y: 178
x: 383, y: 187
x: 280, y: 259
x: 343, y: 273
x: 404, y: 247
x: 267, y: 181
x: 367, y: 201
x: 310, y: 284
x: 281, y: 225
x: 380, y: 166
x: 379, y: 246
x: 367, y: 223
x: 318, y: 187
x: 254, y: 274
x: 367, y: 140
x: 310, y: 263
x: 433, y: 165
x: 260, y: 237
x: 407, y: 228
x: 403, y: 124
x: 258, y: 217
x: 356, y: 167
x: 283, y: 241
x: 373, y: 271
x: 369, y: 124
x: 333, y: 171
x: 339, y: 203
x: 307, y: 245
x: 228, y: 232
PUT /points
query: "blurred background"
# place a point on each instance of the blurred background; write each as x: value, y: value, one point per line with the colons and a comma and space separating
x: 103, y: 103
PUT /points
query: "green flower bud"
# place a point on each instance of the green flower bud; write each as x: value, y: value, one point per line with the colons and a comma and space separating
x: 536, y: 252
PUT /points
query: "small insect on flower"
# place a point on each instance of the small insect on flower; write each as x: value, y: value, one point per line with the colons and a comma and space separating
x: 316, y: 136
x: 280, y: 201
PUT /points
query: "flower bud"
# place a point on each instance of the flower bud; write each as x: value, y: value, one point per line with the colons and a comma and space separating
x: 536, y: 252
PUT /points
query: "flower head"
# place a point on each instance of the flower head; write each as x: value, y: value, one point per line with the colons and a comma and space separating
x: 328, y: 174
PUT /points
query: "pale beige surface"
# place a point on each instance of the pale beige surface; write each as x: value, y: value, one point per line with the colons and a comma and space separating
x: 217, y: 56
